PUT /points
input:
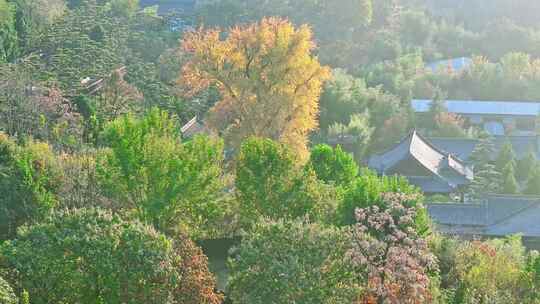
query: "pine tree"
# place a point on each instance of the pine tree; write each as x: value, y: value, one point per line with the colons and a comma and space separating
x: 533, y: 183
x: 526, y: 165
x: 510, y: 185
x: 483, y: 151
x: 506, y: 156
x: 436, y: 108
x: 486, y: 178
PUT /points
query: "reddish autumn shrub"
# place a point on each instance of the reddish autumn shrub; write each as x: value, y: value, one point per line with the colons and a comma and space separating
x: 396, y: 259
x: 449, y: 125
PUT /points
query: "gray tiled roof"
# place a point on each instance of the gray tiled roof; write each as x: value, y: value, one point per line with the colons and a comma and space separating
x: 448, y: 172
x: 458, y: 214
x: 498, y: 215
x: 463, y: 147
x: 388, y: 159
x: 501, y: 207
x: 527, y: 223
x: 511, y: 108
x: 421, y: 149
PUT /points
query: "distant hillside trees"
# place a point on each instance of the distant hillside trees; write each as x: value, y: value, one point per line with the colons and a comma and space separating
x: 338, y: 25
x: 350, y: 108
x: 8, y: 33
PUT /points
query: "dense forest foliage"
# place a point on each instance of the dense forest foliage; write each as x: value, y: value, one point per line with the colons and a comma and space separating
x: 104, y: 196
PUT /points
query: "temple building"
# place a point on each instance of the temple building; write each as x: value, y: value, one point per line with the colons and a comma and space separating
x: 431, y: 169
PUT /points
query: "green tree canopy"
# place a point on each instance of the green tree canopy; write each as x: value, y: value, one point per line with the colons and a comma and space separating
x: 369, y: 189
x: 89, y: 256
x: 509, y: 185
x: 492, y: 271
x: 271, y: 183
x: 293, y: 262
x: 125, y: 8
x: 333, y: 165
x: 30, y: 178
x: 34, y: 17
x: 349, y: 104
x: 533, y: 182
x: 526, y: 165
x: 169, y: 184
x: 86, y: 42
x: 486, y: 178
x: 506, y: 156
x: 8, y: 34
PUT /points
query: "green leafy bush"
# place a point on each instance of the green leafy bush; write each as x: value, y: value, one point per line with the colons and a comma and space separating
x: 293, y: 262
x: 333, y: 165
x: 29, y: 179
x: 170, y: 184
x: 8, y: 34
x: 271, y: 183
x: 7, y: 296
x: 94, y: 256
x: 368, y: 189
x: 493, y: 271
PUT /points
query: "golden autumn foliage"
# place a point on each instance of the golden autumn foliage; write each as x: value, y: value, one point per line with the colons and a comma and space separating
x: 269, y: 80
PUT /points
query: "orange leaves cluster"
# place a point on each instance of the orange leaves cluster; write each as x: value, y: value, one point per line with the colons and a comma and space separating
x: 446, y: 118
x: 198, y: 282
x: 267, y: 76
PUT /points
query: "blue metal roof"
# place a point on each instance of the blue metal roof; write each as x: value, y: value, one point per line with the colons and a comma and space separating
x: 456, y: 64
x: 513, y: 108
x: 166, y: 6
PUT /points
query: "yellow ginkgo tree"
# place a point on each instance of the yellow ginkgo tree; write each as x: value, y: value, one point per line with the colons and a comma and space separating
x: 268, y: 78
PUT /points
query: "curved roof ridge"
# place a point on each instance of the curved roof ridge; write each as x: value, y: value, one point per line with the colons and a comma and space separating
x: 427, y: 141
x: 432, y: 167
x: 387, y: 150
